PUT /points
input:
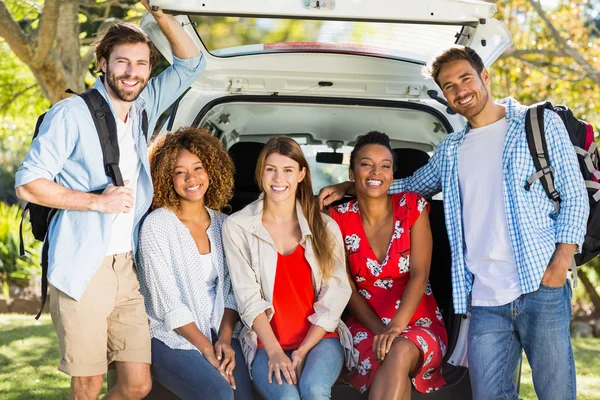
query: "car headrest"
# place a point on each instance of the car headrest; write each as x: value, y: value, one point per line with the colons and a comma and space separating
x: 244, y: 156
x: 408, y: 161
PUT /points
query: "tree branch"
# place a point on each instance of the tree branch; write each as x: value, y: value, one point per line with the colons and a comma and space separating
x: 14, y: 36
x: 589, y: 69
x: 546, y: 69
x: 16, y: 96
x: 527, y: 52
x: 590, y: 289
x: 46, y: 32
x: 107, y: 3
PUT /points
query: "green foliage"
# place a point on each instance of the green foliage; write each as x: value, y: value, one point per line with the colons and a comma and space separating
x: 21, y: 102
x: 542, y: 70
x: 13, y: 268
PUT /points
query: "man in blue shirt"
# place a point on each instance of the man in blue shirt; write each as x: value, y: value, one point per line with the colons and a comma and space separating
x: 97, y: 309
x: 511, y: 250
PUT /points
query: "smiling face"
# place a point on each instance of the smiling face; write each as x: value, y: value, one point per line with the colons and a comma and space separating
x: 190, y: 179
x: 373, y: 170
x: 280, y: 178
x: 464, y: 88
x: 127, y: 71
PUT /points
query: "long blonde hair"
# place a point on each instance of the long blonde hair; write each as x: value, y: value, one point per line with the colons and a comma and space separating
x: 322, y: 240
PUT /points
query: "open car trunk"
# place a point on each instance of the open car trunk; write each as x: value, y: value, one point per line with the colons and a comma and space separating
x: 327, y: 126
x: 325, y: 72
x: 286, y: 46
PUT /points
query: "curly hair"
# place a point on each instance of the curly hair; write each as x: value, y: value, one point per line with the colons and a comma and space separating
x: 214, y: 157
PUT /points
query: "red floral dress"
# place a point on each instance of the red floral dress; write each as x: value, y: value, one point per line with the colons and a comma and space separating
x: 382, y: 286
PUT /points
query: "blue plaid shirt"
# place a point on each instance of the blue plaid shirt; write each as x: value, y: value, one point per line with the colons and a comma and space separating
x: 533, y: 225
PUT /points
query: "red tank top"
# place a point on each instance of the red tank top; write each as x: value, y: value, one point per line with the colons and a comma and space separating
x: 293, y: 300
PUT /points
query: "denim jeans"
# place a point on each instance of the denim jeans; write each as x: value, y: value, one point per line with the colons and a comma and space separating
x: 322, y: 367
x: 536, y: 322
x: 187, y: 374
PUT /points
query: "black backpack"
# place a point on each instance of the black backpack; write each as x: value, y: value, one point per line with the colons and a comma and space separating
x: 582, y: 137
x: 106, y: 127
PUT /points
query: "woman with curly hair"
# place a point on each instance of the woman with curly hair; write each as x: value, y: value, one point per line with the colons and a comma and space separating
x: 184, y: 278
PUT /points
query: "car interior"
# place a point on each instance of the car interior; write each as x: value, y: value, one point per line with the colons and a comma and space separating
x: 325, y: 74
x: 326, y: 133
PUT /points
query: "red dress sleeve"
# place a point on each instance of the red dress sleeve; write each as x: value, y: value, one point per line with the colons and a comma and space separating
x: 412, y: 204
x: 417, y: 204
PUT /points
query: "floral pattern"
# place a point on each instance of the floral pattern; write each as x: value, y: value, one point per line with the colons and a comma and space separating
x: 359, y: 337
x: 352, y: 243
x: 403, y: 264
x: 384, y: 283
x: 374, y: 267
x: 382, y: 286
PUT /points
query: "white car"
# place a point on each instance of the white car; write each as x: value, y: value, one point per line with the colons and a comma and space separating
x: 325, y: 72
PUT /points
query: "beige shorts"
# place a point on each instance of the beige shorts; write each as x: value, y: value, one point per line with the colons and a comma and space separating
x: 108, y: 324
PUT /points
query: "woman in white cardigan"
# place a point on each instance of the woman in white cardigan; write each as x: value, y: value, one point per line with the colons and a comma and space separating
x: 183, y: 275
x: 287, y: 266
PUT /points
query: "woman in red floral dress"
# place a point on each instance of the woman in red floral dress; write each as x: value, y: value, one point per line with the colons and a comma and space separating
x: 395, y: 322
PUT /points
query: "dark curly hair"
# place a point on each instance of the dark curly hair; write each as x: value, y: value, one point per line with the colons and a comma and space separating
x: 373, y: 137
x: 214, y: 157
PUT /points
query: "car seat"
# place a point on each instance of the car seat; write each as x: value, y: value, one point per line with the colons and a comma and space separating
x: 407, y: 162
x: 245, y: 189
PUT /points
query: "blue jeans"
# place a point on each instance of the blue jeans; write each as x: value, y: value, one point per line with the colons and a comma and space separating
x: 536, y: 322
x: 322, y: 367
x: 187, y: 374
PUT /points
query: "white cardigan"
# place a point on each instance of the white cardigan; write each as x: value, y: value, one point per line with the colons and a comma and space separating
x: 171, y: 283
x: 252, y: 259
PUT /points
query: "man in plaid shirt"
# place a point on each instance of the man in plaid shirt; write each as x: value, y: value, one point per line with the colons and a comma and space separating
x: 511, y: 251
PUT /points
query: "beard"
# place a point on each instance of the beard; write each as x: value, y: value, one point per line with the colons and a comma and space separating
x: 480, y: 100
x: 123, y: 93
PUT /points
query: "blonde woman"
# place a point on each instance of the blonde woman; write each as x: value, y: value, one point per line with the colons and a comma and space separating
x: 287, y: 267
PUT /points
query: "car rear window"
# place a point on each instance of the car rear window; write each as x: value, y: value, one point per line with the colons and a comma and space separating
x: 236, y: 36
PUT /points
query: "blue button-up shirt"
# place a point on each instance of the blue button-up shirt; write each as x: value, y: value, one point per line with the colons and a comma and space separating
x: 533, y: 225
x: 67, y: 151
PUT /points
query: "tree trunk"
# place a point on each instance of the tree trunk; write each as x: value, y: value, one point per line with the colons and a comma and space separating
x: 589, y: 288
x: 68, y: 46
x: 52, y: 51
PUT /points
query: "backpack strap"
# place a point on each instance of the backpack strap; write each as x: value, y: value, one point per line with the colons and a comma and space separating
x: 106, y: 127
x: 145, y: 125
x: 21, y: 243
x: 536, y: 140
x: 594, y: 186
x: 44, y: 277
x: 44, y: 263
x: 589, y: 158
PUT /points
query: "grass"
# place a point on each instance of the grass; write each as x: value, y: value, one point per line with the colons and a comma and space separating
x: 587, y: 360
x: 29, y: 356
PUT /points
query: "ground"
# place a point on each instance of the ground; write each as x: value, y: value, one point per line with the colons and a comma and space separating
x: 29, y: 355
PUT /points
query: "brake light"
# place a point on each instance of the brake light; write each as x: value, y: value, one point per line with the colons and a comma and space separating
x: 327, y: 47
